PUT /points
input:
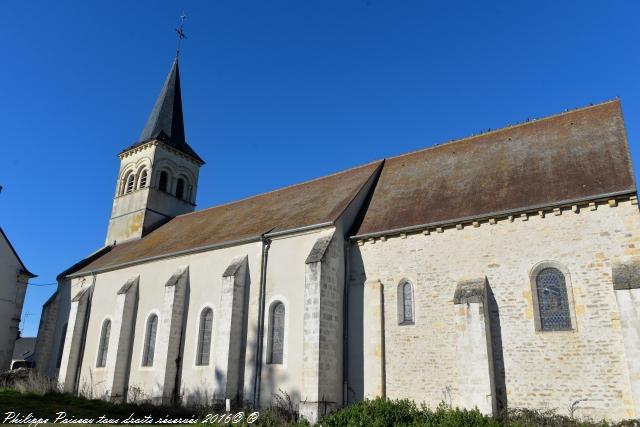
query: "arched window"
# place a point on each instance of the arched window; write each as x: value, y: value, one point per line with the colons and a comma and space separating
x: 129, y: 183
x: 276, y: 337
x: 163, y: 182
x: 553, y: 300
x: 150, y: 341
x: 180, y: 188
x: 204, y: 337
x: 143, y: 179
x: 103, y: 347
x: 405, y: 303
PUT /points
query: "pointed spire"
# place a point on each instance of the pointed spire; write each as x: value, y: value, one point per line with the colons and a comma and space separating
x: 166, y: 122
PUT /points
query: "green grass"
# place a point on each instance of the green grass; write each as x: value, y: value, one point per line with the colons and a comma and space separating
x: 375, y: 413
x: 47, y: 405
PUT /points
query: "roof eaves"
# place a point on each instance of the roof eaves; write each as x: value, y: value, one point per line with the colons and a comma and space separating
x: 77, y: 272
x: 84, y: 262
x: 24, y: 268
x: 504, y: 213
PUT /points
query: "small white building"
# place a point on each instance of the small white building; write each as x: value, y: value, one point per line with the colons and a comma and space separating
x: 498, y: 270
x: 14, y: 277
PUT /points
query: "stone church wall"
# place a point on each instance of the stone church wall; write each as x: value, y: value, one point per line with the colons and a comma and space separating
x: 180, y: 288
x: 204, y: 280
x: 531, y: 368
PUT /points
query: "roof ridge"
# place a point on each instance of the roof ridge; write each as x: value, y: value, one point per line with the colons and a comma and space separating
x: 281, y: 188
x: 504, y: 128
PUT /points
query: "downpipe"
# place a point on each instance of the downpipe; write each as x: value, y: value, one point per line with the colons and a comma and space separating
x: 266, y: 244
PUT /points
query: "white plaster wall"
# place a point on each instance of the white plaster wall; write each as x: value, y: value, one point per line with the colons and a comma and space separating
x: 542, y: 369
x: 12, y: 290
x: 285, y: 282
x: 205, y: 277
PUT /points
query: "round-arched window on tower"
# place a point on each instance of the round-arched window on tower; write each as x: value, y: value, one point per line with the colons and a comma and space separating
x: 143, y: 179
x: 180, y: 188
x: 130, y: 181
x: 164, y: 181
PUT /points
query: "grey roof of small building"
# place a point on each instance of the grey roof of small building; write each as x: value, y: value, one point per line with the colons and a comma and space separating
x: 166, y: 122
x: 24, y: 348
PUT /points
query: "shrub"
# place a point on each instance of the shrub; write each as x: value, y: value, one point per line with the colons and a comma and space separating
x: 382, y: 412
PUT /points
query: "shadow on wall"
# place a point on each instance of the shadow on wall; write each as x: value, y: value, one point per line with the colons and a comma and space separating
x: 496, y: 349
x: 354, y: 350
x: 180, y: 359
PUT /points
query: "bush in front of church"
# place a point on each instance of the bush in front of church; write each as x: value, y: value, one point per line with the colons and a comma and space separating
x: 382, y: 412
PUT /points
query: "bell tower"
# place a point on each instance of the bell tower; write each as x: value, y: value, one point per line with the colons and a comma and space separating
x: 158, y: 175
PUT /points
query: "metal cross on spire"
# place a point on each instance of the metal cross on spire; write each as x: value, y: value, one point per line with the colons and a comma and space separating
x: 180, y: 32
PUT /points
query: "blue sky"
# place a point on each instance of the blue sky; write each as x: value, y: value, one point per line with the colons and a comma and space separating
x: 275, y: 92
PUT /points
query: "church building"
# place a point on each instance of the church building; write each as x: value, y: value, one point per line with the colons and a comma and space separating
x: 499, y: 270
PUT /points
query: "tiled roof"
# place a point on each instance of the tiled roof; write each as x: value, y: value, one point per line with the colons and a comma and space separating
x: 576, y: 155
x: 311, y: 203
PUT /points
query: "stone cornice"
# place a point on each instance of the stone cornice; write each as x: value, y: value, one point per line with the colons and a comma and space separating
x: 522, y: 214
x: 157, y: 142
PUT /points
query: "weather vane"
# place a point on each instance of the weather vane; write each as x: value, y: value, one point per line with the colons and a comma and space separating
x: 180, y: 32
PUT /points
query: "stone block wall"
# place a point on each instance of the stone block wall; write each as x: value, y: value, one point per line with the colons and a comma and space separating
x: 322, y: 339
x: 532, y: 368
x: 168, y: 341
x: 228, y: 345
x: 121, y: 339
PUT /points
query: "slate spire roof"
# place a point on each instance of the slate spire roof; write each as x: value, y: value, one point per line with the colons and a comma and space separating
x: 166, y: 122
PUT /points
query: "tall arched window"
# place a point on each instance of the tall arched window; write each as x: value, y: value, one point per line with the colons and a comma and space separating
x: 204, y: 337
x: 180, y: 188
x: 553, y: 300
x: 143, y: 179
x: 150, y: 341
x: 405, y: 303
x: 129, y: 183
x: 163, y: 182
x: 103, y: 347
x: 276, y: 337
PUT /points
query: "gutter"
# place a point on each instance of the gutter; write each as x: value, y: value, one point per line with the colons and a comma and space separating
x: 532, y: 208
x: 266, y: 244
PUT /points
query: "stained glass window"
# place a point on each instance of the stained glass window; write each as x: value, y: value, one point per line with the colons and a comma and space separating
x: 553, y: 302
x: 150, y: 341
x: 407, y: 302
x: 103, y: 347
x: 277, y: 334
x: 204, y: 337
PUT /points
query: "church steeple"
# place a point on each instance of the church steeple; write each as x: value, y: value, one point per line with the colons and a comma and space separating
x: 158, y: 175
x: 166, y: 122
